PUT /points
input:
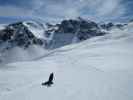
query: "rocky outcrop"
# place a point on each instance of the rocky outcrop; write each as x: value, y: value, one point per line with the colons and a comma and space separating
x: 82, y: 28
x: 66, y: 31
x: 17, y: 34
x: 110, y: 26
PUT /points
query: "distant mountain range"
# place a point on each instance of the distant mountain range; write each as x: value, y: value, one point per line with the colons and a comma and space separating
x: 51, y: 36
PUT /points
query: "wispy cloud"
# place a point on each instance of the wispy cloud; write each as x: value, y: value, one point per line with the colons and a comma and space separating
x: 14, y: 11
x: 54, y: 9
x: 97, y: 10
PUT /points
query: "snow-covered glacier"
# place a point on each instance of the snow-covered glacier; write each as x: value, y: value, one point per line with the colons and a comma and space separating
x: 100, y: 68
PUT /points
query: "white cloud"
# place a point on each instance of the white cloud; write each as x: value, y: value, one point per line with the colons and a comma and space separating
x: 14, y: 11
x: 110, y: 8
x: 61, y: 11
x: 96, y: 9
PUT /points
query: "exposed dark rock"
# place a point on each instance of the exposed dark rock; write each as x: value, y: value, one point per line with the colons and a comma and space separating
x: 82, y: 28
x: 109, y: 26
x: 17, y: 34
x: 67, y: 30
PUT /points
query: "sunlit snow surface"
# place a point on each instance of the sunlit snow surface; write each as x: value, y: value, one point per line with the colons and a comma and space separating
x: 35, y: 28
x: 97, y: 69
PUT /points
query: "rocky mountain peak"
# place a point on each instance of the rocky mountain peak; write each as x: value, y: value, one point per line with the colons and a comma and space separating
x: 17, y: 34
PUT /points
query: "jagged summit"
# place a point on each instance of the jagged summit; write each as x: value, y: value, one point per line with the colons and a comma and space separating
x: 18, y: 34
x: 72, y: 30
x: 24, y: 34
x: 21, y: 41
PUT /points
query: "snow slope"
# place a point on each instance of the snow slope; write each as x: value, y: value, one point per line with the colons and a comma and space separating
x: 21, y: 41
x: 97, y: 69
x: 36, y: 28
x: 2, y: 26
x: 18, y: 54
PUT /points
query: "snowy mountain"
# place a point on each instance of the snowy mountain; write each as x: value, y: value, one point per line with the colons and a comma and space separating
x: 24, y: 34
x: 100, y: 68
x: 18, y: 34
x: 20, y: 37
x: 23, y: 37
x: 72, y: 31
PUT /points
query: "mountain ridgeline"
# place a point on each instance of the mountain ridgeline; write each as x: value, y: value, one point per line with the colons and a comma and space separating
x: 21, y: 34
x: 73, y: 31
x: 17, y: 34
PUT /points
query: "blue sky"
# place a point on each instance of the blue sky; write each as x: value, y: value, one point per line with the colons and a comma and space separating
x: 54, y: 10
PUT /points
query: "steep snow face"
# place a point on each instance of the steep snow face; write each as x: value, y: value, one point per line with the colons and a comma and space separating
x: 2, y: 26
x: 61, y: 39
x: 129, y: 27
x: 17, y: 34
x: 97, y: 69
x: 36, y: 28
x: 72, y: 31
x: 17, y: 39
